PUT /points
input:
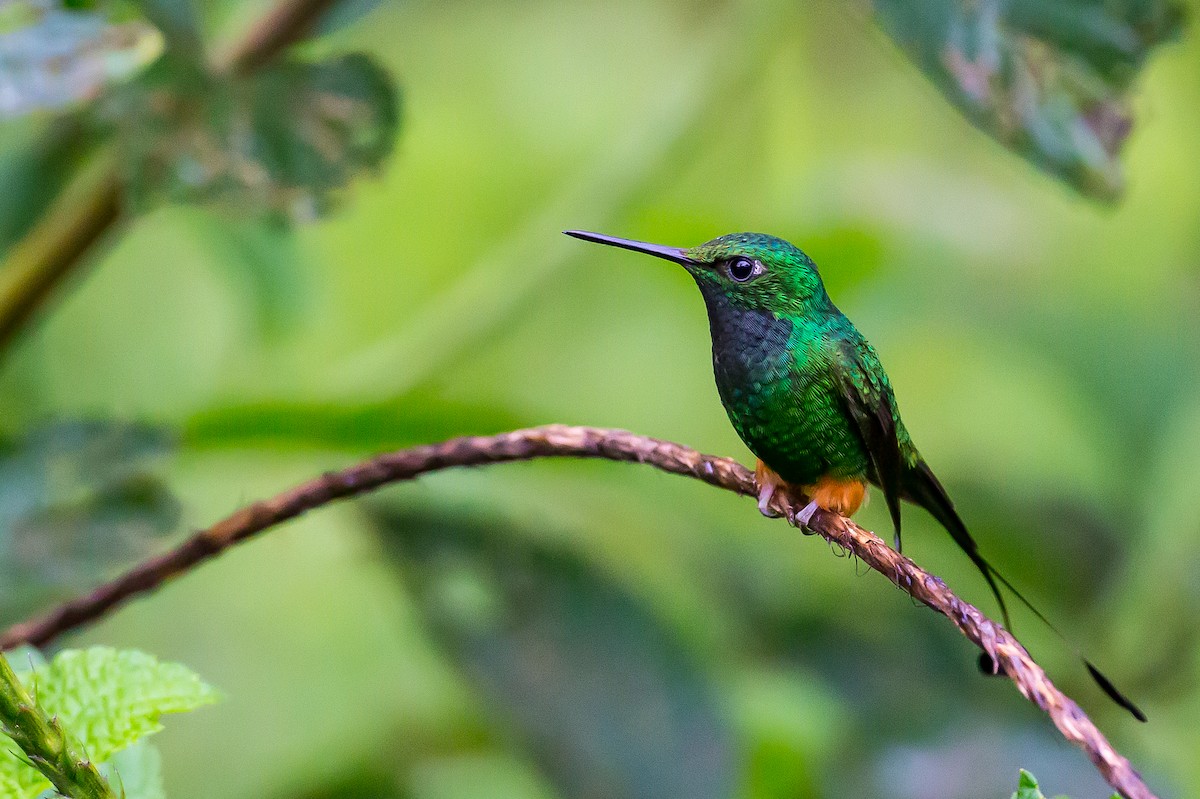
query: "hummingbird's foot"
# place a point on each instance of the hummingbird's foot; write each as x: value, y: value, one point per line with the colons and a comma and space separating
x: 765, y: 493
x: 806, y: 513
x: 770, y: 487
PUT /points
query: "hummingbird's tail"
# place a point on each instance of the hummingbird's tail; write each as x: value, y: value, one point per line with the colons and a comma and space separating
x: 923, y: 488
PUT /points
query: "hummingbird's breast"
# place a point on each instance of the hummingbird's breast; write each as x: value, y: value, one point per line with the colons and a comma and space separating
x: 777, y: 394
x: 750, y: 351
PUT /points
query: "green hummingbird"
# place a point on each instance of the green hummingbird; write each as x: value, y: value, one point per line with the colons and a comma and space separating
x: 807, y: 394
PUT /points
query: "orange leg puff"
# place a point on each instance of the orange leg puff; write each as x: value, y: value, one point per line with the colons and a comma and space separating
x: 837, y: 494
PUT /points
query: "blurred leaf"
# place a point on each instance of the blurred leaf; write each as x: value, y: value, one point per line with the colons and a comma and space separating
x: 51, y: 57
x: 609, y: 702
x: 362, y: 781
x: 460, y: 777
x: 108, y: 700
x: 320, y: 123
x: 1046, y: 77
x: 263, y: 255
x: 417, y: 419
x: 791, y: 724
x: 76, y: 498
x: 281, y: 142
x: 37, y: 158
x: 21, y: 781
x: 343, y: 13
x: 136, y: 772
x: 178, y: 22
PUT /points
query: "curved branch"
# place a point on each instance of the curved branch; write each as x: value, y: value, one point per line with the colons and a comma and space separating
x: 617, y: 445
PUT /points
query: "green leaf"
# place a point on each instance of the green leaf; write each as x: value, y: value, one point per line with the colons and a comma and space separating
x: 1027, y: 787
x: 75, y: 499
x: 136, y: 772
x: 1048, y: 78
x: 19, y: 780
x: 608, y: 700
x: 108, y: 700
x: 282, y: 142
x: 53, y: 57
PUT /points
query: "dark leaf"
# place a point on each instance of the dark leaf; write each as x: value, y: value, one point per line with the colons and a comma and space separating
x: 37, y: 159
x: 1049, y: 78
x: 77, y: 498
x: 343, y: 13
x: 178, y: 22
x: 51, y: 57
x: 280, y: 143
x: 607, y: 699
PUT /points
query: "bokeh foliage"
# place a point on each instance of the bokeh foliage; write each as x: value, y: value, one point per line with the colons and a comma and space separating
x: 76, y: 500
x: 1048, y: 78
x: 513, y: 629
x: 279, y: 142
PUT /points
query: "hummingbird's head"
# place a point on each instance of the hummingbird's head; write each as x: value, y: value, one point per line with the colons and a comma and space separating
x: 753, y: 271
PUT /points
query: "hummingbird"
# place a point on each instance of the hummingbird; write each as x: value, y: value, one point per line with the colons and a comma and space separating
x: 808, y: 395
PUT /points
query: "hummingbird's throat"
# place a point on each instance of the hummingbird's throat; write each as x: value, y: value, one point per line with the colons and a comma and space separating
x: 840, y: 495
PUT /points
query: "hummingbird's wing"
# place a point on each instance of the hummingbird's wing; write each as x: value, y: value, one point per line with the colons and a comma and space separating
x: 867, y: 401
x: 896, y: 466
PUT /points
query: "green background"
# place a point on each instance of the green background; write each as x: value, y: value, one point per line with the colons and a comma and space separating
x: 1042, y: 348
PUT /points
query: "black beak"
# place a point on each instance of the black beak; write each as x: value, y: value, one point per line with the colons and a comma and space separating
x: 675, y: 254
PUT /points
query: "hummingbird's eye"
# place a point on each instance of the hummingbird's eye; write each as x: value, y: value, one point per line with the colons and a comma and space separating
x: 742, y: 269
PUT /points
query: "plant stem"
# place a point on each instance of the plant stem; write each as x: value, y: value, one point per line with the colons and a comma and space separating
x: 49, y: 747
x: 77, y: 219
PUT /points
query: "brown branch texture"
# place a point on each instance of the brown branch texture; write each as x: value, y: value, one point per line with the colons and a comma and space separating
x: 616, y: 445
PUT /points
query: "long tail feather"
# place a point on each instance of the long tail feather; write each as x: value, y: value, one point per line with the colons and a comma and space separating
x: 924, y: 489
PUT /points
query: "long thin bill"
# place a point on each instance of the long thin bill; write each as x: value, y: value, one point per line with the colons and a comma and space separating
x: 675, y: 254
